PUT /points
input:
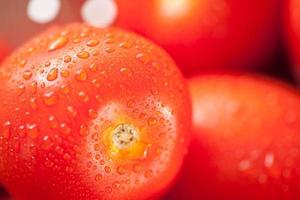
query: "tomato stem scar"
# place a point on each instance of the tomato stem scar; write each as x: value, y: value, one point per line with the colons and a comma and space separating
x: 125, y: 136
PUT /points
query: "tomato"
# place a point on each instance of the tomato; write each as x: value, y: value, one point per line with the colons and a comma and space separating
x: 245, y: 141
x: 207, y: 35
x: 293, y: 33
x: 91, y: 113
x: 4, y: 50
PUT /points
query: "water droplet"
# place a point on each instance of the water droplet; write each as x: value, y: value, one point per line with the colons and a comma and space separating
x: 130, y: 103
x: 125, y: 45
x: 6, y: 130
x: 269, y: 160
x: 33, y: 103
x: 84, y: 131
x: 71, y: 111
x: 92, y: 113
x: 52, y: 122
x: 152, y: 121
x: 116, y: 185
x: 109, y: 41
x: 92, y: 43
x: 46, y: 143
x: 109, y: 50
x: 95, y: 52
x: 121, y: 170
x: 52, y: 75
x: 27, y: 74
x: 65, y: 73
x: 244, y: 165
x: 126, y: 71
x: 64, y: 89
x: 67, y: 59
x: 32, y: 130
x: 65, y: 128
x: 83, y: 54
x: 143, y: 58
x: 93, y: 67
x: 58, y: 43
x: 107, y: 169
x: 81, y: 75
x: 33, y: 87
x: 148, y: 174
x: 22, y: 63
x: 98, y: 177
x: 83, y: 97
x: 50, y: 98
x: 20, y: 89
x: 96, y: 83
x: 154, y: 91
x: 66, y: 156
x: 137, y: 168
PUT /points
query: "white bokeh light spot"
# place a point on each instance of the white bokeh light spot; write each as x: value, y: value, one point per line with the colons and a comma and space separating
x: 99, y: 13
x: 43, y: 11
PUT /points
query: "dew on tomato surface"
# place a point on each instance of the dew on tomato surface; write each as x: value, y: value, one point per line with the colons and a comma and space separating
x: 67, y: 59
x: 121, y: 170
x: 116, y: 185
x: 109, y: 49
x: 27, y: 74
x: 98, y: 177
x: 52, y: 75
x: 32, y: 130
x: 20, y: 89
x: 92, y: 43
x: 33, y: 87
x: 126, y: 71
x: 107, y: 169
x: 47, y: 143
x: 125, y: 45
x: 244, y: 165
x: 33, y: 103
x: 93, y: 67
x: 50, y: 98
x: 6, y: 132
x: 149, y: 173
x: 58, y: 43
x: 81, y: 75
x: 92, y: 113
x: 96, y: 83
x: 83, y: 131
x: 22, y: 63
x: 83, y: 54
x: 65, y: 129
x: 137, y: 168
x: 83, y: 97
x: 71, y: 111
x: 64, y: 89
x: 269, y: 160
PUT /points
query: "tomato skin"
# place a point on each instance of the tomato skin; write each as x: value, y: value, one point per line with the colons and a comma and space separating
x: 207, y: 36
x: 293, y: 33
x: 66, y: 93
x: 245, y: 143
x: 4, y: 50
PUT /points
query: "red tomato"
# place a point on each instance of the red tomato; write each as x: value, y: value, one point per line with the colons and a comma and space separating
x: 207, y: 35
x: 293, y: 33
x: 91, y: 113
x: 3, y: 50
x: 246, y: 142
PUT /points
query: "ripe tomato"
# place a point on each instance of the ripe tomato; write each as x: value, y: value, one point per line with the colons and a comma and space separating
x: 293, y: 33
x: 3, y: 50
x: 207, y: 35
x: 246, y: 142
x: 91, y: 113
